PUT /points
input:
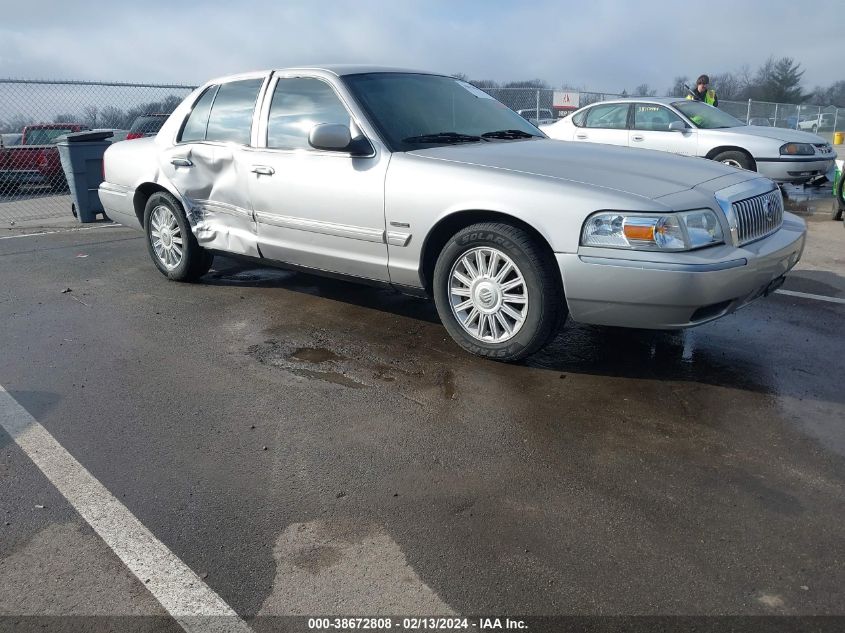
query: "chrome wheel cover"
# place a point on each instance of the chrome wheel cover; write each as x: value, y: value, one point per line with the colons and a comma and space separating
x: 488, y: 295
x: 166, y: 237
x: 732, y: 163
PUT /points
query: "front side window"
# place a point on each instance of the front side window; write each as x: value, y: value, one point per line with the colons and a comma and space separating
x: 415, y: 111
x: 610, y: 116
x: 652, y: 117
x: 197, y: 122
x: 298, y: 104
x: 230, y: 120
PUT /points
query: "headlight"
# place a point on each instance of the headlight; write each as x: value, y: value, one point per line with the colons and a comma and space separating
x: 646, y: 232
x: 797, y: 149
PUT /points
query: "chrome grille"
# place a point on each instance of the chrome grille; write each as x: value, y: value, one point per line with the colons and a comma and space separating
x: 823, y: 148
x: 759, y: 216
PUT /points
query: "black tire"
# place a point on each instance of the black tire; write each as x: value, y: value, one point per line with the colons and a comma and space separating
x: 839, y: 205
x: 545, y: 310
x: 195, y: 260
x: 735, y: 159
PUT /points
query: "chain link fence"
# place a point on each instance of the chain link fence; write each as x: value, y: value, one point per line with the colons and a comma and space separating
x: 537, y: 105
x: 34, y: 115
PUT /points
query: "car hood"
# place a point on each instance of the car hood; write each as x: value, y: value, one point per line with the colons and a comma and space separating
x: 776, y: 133
x: 646, y: 173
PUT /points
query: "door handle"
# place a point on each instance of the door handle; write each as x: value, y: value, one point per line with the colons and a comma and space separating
x: 181, y: 162
x: 581, y: 136
x: 263, y: 170
x: 637, y: 137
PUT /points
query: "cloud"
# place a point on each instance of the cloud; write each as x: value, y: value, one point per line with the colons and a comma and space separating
x: 603, y: 44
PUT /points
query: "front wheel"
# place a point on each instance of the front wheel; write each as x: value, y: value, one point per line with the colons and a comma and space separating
x: 735, y: 159
x: 170, y: 242
x: 498, y: 292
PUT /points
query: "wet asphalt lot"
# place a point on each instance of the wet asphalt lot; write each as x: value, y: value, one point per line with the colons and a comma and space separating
x: 310, y: 446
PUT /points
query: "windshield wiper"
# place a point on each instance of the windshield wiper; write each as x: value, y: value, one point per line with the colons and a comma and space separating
x: 442, y: 137
x: 508, y: 134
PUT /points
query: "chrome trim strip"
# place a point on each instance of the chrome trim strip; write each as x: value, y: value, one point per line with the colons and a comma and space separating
x: 395, y: 238
x: 669, y: 266
x: 117, y: 190
x: 221, y: 207
x: 325, y: 228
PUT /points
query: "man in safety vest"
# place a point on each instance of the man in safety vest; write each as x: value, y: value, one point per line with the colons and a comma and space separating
x: 703, y: 92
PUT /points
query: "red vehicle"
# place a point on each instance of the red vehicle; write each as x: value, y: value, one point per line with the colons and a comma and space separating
x: 35, y: 159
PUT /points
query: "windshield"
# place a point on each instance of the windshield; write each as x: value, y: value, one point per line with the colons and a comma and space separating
x: 46, y: 136
x: 414, y: 111
x: 706, y: 116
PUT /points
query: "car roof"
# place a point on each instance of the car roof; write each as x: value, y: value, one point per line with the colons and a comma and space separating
x: 338, y: 70
x: 660, y: 100
x: 358, y: 69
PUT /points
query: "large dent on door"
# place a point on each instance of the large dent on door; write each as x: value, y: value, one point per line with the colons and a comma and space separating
x: 216, y: 201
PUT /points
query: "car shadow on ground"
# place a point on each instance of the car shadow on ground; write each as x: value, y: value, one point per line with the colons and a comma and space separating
x: 724, y: 354
x: 228, y: 272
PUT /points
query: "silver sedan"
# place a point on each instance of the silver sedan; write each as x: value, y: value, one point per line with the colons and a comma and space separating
x: 426, y: 184
x: 692, y: 128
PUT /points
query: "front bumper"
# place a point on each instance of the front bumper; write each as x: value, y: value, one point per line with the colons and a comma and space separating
x: 793, y: 170
x: 670, y: 291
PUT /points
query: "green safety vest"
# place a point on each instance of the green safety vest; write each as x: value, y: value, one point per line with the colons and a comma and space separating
x: 709, y: 97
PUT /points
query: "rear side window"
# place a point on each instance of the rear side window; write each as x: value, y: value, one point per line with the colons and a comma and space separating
x: 578, y: 118
x: 197, y: 122
x: 232, y: 110
x: 298, y: 105
x: 611, y: 116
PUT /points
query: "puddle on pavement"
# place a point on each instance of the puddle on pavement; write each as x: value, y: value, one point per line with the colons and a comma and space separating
x: 315, y: 355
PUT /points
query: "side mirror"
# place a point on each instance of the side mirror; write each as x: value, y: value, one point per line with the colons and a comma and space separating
x: 677, y: 126
x: 334, y: 137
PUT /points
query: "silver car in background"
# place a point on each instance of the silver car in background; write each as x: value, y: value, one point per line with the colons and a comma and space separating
x: 426, y: 184
x: 692, y: 128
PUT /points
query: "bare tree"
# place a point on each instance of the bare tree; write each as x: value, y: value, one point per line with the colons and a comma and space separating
x: 89, y: 116
x: 677, y: 89
x: 643, y: 90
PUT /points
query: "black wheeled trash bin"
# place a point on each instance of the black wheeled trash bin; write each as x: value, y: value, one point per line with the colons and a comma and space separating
x: 81, y: 154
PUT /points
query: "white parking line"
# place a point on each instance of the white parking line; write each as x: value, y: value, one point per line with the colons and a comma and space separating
x: 807, y: 295
x: 192, y: 603
x: 73, y: 230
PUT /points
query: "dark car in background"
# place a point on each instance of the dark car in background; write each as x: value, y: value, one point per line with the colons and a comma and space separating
x: 146, y: 125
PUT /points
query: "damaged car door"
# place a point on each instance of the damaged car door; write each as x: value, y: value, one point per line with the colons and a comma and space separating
x: 206, y: 163
x: 320, y: 208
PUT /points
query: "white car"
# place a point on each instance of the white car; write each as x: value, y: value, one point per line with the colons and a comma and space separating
x: 692, y: 128
x: 816, y: 122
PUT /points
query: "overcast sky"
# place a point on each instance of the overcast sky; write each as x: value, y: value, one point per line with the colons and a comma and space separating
x: 605, y: 45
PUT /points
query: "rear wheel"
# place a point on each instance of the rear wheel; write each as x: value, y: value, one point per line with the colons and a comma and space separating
x: 735, y: 159
x: 497, y: 291
x: 170, y: 242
